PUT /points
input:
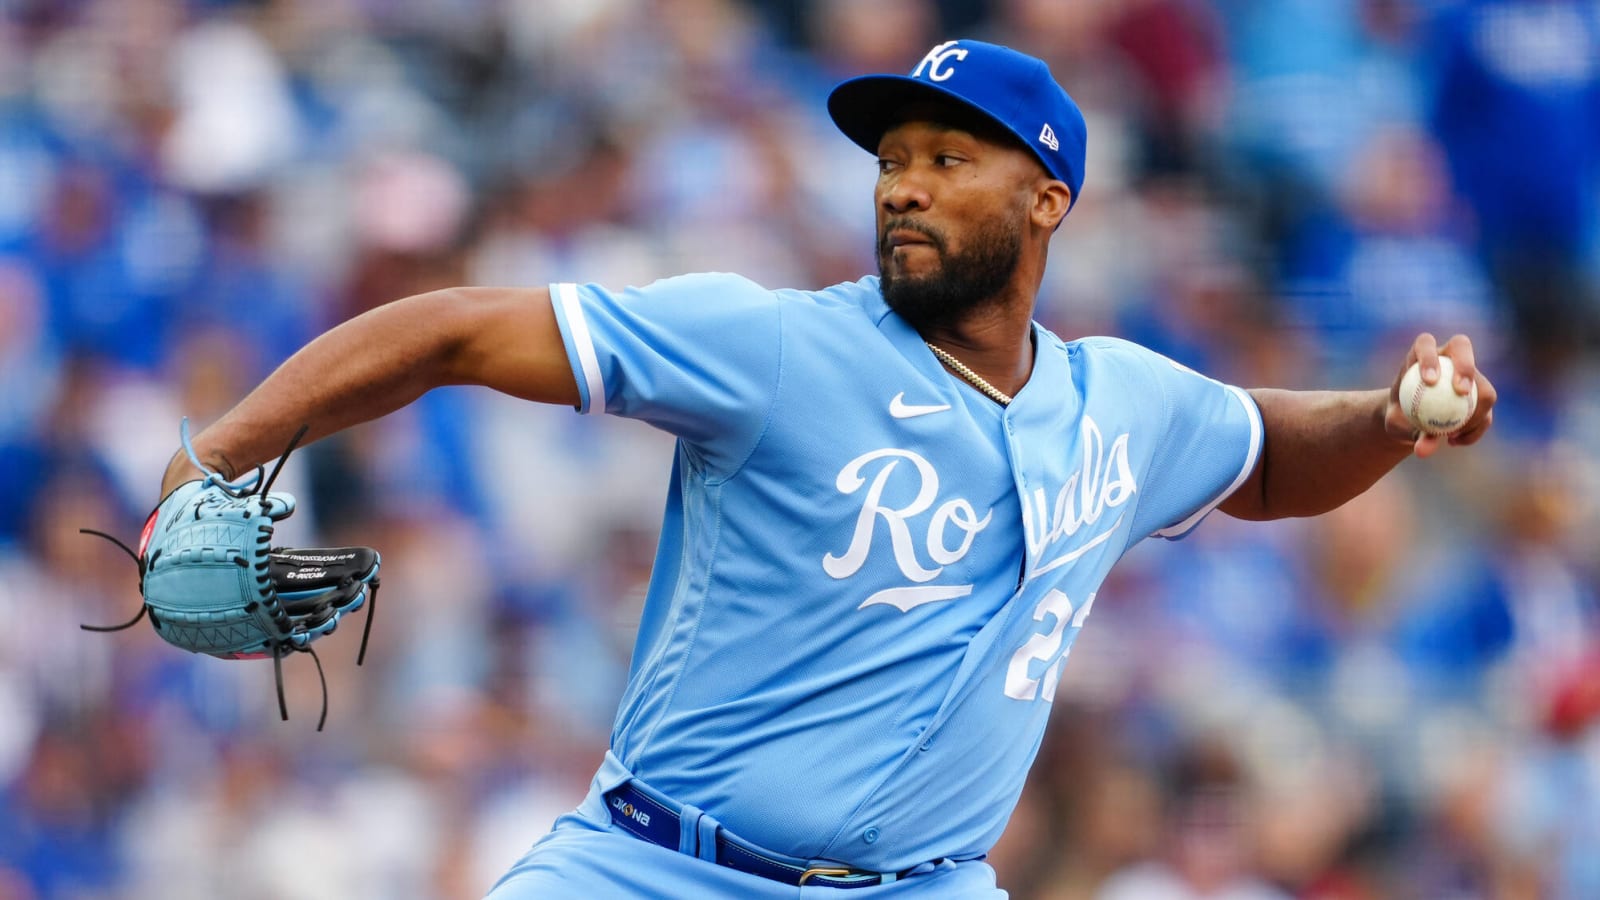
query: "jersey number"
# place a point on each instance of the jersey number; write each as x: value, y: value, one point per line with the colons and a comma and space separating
x: 1043, y: 647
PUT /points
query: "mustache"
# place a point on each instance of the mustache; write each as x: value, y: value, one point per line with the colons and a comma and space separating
x: 934, y: 236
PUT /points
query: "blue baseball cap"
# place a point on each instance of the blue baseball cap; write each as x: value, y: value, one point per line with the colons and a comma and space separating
x: 1013, y: 89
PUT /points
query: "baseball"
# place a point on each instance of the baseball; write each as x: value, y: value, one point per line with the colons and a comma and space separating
x: 1436, y: 408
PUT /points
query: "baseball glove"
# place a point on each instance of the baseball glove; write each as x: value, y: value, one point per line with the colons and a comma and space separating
x: 212, y: 583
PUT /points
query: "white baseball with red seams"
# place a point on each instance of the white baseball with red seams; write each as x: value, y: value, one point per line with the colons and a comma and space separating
x: 1436, y: 408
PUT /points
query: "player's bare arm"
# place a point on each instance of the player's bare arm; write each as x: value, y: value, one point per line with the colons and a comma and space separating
x: 286, y: 599
x: 1325, y: 447
x: 502, y: 338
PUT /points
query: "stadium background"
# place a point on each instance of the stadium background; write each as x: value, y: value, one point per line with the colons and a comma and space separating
x: 1395, y: 700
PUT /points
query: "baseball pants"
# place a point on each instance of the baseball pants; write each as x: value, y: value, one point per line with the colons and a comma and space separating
x: 586, y: 857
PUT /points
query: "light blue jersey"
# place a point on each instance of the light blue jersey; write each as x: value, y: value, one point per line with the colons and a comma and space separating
x: 870, y: 574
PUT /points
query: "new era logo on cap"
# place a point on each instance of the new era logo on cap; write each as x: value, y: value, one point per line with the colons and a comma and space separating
x: 1013, y: 89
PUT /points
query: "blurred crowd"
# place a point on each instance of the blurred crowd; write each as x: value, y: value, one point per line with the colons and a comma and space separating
x: 1397, y: 700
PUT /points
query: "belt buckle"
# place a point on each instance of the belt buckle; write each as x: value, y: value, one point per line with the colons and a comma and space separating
x: 825, y: 871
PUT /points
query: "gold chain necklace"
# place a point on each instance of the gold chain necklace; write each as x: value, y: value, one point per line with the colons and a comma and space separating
x: 973, y: 378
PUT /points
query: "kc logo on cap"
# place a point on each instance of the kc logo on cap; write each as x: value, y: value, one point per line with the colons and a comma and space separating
x: 1013, y: 89
x: 936, y: 58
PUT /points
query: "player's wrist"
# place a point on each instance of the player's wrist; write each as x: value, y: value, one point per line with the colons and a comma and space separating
x: 1398, y: 433
x: 181, y: 471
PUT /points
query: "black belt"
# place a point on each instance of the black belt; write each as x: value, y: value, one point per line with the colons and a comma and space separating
x: 652, y: 820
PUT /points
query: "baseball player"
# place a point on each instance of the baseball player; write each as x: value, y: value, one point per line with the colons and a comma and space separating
x: 891, y: 505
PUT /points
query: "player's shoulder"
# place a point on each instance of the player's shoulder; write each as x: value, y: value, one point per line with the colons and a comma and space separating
x: 703, y: 284
x: 863, y: 295
x: 1103, y: 351
x: 1127, y: 366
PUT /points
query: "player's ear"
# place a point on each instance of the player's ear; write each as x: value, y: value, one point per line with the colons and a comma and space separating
x: 1050, y: 204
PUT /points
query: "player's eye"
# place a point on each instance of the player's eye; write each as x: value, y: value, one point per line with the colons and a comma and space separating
x: 885, y: 166
x: 947, y: 160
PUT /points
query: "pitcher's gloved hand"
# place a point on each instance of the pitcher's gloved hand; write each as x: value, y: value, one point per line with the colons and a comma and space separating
x: 213, y: 583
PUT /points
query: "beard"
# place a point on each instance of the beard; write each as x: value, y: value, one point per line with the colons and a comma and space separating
x: 964, y: 282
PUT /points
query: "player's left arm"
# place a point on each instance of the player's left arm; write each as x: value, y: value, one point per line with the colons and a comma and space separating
x: 1323, y: 448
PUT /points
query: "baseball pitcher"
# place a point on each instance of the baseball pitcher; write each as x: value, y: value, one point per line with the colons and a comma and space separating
x: 891, y: 506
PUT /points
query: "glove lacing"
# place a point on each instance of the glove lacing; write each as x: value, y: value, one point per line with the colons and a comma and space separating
x: 244, y: 486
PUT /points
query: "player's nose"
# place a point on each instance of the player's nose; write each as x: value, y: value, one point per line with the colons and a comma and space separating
x: 904, y: 193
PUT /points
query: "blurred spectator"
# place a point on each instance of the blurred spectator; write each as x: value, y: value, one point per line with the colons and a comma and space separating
x: 1173, y: 50
x: 1210, y: 822
x: 1389, y: 259
x: 1516, y: 99
x: 30, y: 375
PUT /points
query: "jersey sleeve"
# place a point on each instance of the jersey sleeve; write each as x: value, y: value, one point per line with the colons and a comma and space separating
x: 1210, y: 444
x: 694, y: 355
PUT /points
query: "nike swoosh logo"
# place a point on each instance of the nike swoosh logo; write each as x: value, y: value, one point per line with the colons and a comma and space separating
x: 900, y: 409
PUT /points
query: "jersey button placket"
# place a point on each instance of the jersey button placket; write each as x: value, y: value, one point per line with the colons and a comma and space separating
x: 870, y: 835
x: 1014, y: 453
